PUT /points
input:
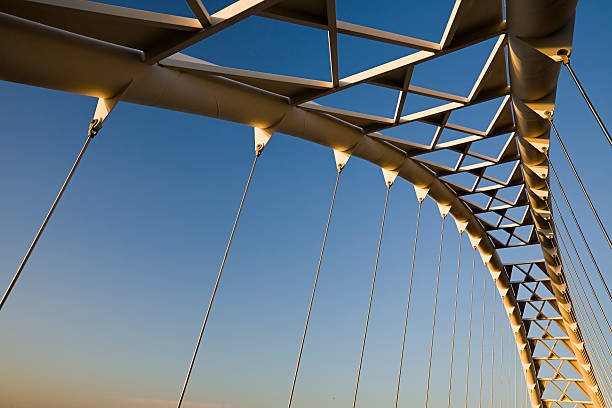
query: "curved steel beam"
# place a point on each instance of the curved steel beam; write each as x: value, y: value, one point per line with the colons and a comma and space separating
x: 539, y: 32
x: 86, y: 66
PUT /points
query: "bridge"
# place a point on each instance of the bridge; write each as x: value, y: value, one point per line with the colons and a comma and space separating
x: 553, y: 334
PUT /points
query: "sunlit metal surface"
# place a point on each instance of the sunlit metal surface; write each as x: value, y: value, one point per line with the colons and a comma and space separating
x: 114, y: 52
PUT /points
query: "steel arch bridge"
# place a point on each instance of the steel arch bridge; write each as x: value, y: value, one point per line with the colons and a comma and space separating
x: 120, y: 54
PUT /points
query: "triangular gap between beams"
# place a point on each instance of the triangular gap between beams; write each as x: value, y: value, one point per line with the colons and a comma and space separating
x: 416, y: 132
x: 510, y: 193
x: 398, y: 17
x: 464, y: 179
x: 478, y: 116
x: 444, y: 157
x: 517, y: 213
x: 416, y: 103
x: 465, y: 65
x: 479, y: 199
x: 489, y: 217
x: 312, y: 12
x: 356, y: 54
x: 363, y: 98
x: 260, y: 44
x: 501, y: 171
x: 450, y: 135
x: 490, y: 146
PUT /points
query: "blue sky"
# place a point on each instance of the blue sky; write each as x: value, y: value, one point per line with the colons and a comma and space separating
x: 108, y: 309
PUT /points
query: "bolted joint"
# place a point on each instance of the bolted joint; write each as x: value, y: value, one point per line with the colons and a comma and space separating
x: 259, y: 149
x: 94, y: 127
x: 564, y: 55
x: 548, y: 115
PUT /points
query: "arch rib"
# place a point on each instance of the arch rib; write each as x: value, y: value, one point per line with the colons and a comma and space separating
x: 539, y: 34
x: 86, y: 66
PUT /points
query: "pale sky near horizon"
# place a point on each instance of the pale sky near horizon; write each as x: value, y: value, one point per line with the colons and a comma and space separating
x: 107, y: 311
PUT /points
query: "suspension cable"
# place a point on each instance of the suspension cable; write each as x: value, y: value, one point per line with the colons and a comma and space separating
x: 523, y: 385
x: 467, y: 377
x: 493, y: 349
x: 484, y: 310
x: 579, y: 307
x: 580, y: 261
x: 416, y: 236
x: 501, y: 360
x: 576, y: 293
x: 566, y: 62
x: 433, y: 326
x: 94, y: 127
x: 584, y: 317
x: 580, y: 230
x: 450, y: 377
x: 586, y: 298
x: 365, y: 332
x: 516, y: 379
x: 214, y: 292
x: 593, y: 347
x: 510, y: 338
x: 314, y: 288
x: 569, y: 160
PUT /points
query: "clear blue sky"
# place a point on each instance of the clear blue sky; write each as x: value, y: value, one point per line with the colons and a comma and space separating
x: 108, y: 309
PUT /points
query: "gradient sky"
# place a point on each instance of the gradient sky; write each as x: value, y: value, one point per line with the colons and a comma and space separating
x: 107, y: 311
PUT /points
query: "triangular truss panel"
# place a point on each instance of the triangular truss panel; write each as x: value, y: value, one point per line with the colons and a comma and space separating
x: 490, y: 174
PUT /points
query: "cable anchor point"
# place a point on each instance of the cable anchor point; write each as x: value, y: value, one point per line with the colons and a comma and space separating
x: 563, y: 54
x: 262, y: 137
x: 548, y: 115
x: 94, y: 127
x: 389, y: 176
x: 341, y: 158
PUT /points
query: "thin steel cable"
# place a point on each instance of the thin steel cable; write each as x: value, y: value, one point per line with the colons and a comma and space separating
x: 588, y: 101
x: 365, y: 332
x: 572, y: 293
x: 416, y: 236
x: 433, y: 326
x: 47, y: 218
x: 580, y: 260
x: 587, y: 300
x: 484, y: 310
x: 576, y: 294
x: 450, y: 377
x: 501, y: 361
x: 516, y: 379
x: 523, y: 385
x: 467, y: 376
x: 510, y: 338
x: 314, y: 288
x: 595, y: 356
x: 212, y: 297
x: 569, y: 160
x: 493, y: 349
x: 581, y: 316
x: 580, y: 230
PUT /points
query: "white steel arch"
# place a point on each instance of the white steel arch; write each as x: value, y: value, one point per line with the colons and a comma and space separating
x: 131, y: 55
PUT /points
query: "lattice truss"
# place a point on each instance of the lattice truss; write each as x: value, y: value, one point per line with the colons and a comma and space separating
x: 496, y: 190
x: 556, y: 367
x: 499, y: 199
